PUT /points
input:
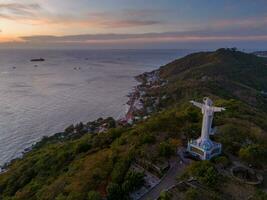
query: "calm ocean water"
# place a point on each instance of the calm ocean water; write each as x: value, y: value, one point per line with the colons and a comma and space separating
x: 69, y: 87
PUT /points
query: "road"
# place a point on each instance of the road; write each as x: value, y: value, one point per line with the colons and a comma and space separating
x: 167, y: 181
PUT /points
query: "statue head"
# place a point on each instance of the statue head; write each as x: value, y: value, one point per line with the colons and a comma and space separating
x: 207, y: 101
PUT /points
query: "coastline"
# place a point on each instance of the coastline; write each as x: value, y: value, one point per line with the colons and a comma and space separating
x: 140, y: 106
x: 99, y: 89
x: 97, y: 126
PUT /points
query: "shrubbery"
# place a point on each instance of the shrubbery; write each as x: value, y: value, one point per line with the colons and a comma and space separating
x: 259, y: 195
x: 93, y: 195
x: 204, y: 172
x: 192, y: 194
x: 166, y: 149
x: 165, y: 196
x: 253, y: 154
x: 147, y: 138
x: 222, y: 161
x: 83, y: 146
x: 132, y: 181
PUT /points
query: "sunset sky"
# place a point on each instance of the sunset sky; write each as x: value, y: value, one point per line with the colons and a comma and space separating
x: 133, y: 23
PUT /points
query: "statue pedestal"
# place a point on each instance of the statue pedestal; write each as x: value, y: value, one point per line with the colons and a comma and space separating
x: 205, y: 150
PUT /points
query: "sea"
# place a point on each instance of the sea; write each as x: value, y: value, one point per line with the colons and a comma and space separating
x: 42, y: 98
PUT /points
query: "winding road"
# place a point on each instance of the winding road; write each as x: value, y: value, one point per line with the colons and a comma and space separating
x: 169, y: 180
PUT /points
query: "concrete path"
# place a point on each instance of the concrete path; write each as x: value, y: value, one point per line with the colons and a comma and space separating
x: 167, y: 181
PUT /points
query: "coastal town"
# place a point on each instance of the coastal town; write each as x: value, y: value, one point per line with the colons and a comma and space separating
x: 141, y: 104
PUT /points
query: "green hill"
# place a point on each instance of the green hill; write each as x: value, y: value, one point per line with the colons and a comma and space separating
x: 86, y: 166
x: 236, y: 72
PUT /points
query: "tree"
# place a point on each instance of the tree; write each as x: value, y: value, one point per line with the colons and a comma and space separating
x: 61, y: 197
x: 114, y: 191
x: 253, y: 153
x: 234, y: 49
x: 69, y: 129
x: 204, y: 172
x: 119, y: 170
x: 259, y: 195
x: 165, y: 149
x: 210, y: 178
x: 75, y: 196
x: 126, y: 187
x: 135, y: 180
x: 222, y: 161
x: 83, y: 146
x: 93, y: 195
x: 111, y: 122
x: 165, y: 196
x: 191, y: 194
x: 147, y: 138
x: 79, y: 127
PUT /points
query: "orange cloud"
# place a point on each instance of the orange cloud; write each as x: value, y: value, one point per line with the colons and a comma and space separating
x: 4, y: 39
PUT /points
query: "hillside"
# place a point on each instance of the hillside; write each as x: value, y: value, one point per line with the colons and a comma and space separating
x: 238, y: 74
x: 82, y: 163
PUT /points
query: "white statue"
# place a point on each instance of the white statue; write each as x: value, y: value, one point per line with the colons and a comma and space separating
x: 208, y: 111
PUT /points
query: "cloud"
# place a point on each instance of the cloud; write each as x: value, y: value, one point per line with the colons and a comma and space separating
x: 21, y: 13
x: 16, y: 10
x: 35, y: 14
x: 127, y: 23
x: 145, y: 37
x: 129, y: 20
x: 123, y: 18
x: 252, y: 22
x: 188, y: 39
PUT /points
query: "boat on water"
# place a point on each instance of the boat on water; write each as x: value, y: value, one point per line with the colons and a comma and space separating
x: 38, y: 60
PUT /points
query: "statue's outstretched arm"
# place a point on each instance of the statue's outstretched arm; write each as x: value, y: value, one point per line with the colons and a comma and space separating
x: 218, y: 109
x: 200, y: 105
